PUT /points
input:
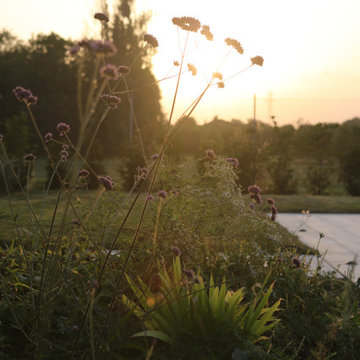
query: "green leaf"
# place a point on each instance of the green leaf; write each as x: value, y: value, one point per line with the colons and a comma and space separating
x: 155, y: 334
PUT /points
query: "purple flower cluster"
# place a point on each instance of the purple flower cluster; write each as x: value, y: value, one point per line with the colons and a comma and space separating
x: 107, y: 182
x: 235, y: 44
x: 189, y: 273
x: 64, y: 153
x: 205, y: 30
x: 274, y: 211
x: 176, y: 251
x: 29, y: 158
x: 187, y: 23
x: 48, y: 136
x: 254, y: 192
x: 155, y: 156
x: 270, y: 201
x: 83, y: 173
x: 151, y: 40
x: 150, y: 197
x: 63, y: 128
x: 111, y: 101
x: 142, y: 173
x: 74, y: 50
x: 296, y: 262
x: 192, y: 68
x: 174, y: 192
x: 25, y: 95
x: 257, y: 60
x: 104, y: 47
x: 234, y: 162
x: 109, y: 71
x: 101, y: 17
x: 210, y: 154
x: 162, y: 194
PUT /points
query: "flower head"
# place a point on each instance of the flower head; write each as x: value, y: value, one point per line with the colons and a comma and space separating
x: 235, y: 44
x: 176, y: 63
x: 98, y: 47
x: 296, y: 262
x: 29, y: 158
x: 205, y: 30
x: 162, y: 194
x: 123, y: 69
x: 48, y: 136
x: 176, y: 251
x: 187, y: 23
x: 151, y: 40
x: 252, y: 206
x: 150, y: 197
x: 109, y: 71
x: 174, y: 192
x: 257, y: 60
x: 192, y: 68
x: 101, y: 17
x: 63, y: 128
x: 189, y: 273
x: 234, y: 162
x: 83, y: 173
x: 220, y: 84
x: 107, y: 182
x: 111, y: 101
x: 63, y: 155
x: 210, y: 154
x: 217, y: 75
x: 76, y: 222
x: 254, y: 192
x: 74, y: 50
x: 25, y: 95
x: 270, y: 201
x: 155, y: 156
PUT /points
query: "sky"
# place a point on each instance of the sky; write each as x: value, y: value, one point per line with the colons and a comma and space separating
x: 311, y: 51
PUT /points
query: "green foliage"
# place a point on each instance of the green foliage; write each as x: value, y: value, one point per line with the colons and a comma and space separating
x: 189, y: 308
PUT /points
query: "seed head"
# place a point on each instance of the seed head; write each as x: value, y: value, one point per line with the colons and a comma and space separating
x: 257, y: 60
x: 107, y: 182
x: 101, y: 17
x: 192, y: 68
x: 83, y: 173
x: 189, y: 273
x: 63, y: 128
x: 205, y: 30
x: 109, y: 71
x: 210, y: 154
x: 187, y: 23
x: 235, y: 44
x: 29, y: 158
x: 111, y: 101
x: 151, y: 40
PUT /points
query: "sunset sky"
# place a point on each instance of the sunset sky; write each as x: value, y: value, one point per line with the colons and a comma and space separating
x: 311, y: 52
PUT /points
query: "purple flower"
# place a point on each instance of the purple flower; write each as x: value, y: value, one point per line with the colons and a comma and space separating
x: 76, y: 222
x: 124, y: 69
x: 63, y: 155
x: 29, y: 158
x: 192, y: 68
x: 109, y: 71
x: 187, y: 23
x: 101, y: 17
x: 270, y: 201
x: 75, y: 328
x: 111, y: 101
x: 151, y: 40
x: 63, y: 128
x: 274, y: 211
x: 155, y: 156
x: 252, y: 206
x: 254, y: 189
x: 210, y: 154
x: 107, y: 182
x: 296, y: 262
x: 257, y: 60
x: 176, y: 251
x: 189, y: 273
x: 48, y: 136
x: 142, y: 173
x: 74, y: 50
x: 174, y: 192
x: 162, y: 194
x: 233, y: 162
x: 235, y: 44
x: 25, y: 95
x: 83, y: 173
x: 150, y: 197
x: 98, y: 46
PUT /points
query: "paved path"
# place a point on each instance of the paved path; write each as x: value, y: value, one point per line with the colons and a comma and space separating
x: 342, y: 236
